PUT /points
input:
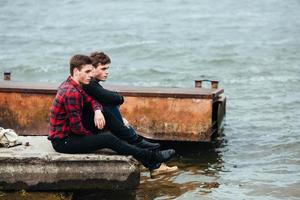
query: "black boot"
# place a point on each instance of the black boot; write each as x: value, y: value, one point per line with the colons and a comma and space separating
x: 159, y: 157
x: 144, y: 144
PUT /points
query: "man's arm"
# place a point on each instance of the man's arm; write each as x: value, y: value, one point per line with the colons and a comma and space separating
x: 105, y: 97
x: 99, y: 119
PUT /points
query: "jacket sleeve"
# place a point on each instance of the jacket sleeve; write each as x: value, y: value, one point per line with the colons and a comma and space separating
x: 94, y: 103
x: 103, y: 96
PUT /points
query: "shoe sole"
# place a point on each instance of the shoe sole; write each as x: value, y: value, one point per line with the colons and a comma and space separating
x: 170, y: 169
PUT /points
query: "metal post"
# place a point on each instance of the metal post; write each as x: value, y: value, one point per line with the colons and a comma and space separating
x: 7, y: 75
x: 198, y: 83
x: 214, y: 84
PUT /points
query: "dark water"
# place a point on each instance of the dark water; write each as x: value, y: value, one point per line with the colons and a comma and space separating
x: 252, y: 47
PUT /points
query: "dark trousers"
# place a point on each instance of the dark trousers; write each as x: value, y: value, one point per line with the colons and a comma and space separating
x: 113, y: 122
x: 87, y: 144
x: 116, y: 112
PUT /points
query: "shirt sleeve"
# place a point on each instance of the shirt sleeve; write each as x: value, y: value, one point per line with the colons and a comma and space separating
x: 106, y: 97
x: 73, y: 104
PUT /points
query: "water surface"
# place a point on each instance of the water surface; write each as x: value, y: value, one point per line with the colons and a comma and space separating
x: 251, y: 47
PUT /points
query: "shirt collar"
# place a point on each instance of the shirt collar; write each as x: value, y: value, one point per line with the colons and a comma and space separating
x: 96, y: 79
x: 74, y: 83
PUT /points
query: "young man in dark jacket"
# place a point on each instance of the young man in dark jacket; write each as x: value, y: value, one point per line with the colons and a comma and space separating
x: 67, y: 133
x: 111, y: 102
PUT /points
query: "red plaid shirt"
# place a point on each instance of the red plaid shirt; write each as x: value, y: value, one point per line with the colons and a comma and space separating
x: 66, y: 110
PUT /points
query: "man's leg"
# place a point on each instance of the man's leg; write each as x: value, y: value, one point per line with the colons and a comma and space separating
x: 114, y: 123
x: 143, y: 144
x: 88, y: 144
x: 116, y: 112
x: 117, y: 127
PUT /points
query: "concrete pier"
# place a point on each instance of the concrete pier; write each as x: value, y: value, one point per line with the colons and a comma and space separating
x: 34, y: 165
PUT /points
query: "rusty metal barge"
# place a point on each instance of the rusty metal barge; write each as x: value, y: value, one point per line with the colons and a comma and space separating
x: 170, y: 114
x: 163, y: 114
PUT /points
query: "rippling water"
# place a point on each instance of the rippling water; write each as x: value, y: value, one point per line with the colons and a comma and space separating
x: 252, y: 47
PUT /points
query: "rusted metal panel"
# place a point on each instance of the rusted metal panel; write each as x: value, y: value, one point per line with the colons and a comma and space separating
x: 170, y: 118
x: 25, y: 113
x: 158, y: 113
x: 221, y: 111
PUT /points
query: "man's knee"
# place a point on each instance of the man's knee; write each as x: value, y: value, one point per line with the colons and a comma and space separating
x: 106, y: 135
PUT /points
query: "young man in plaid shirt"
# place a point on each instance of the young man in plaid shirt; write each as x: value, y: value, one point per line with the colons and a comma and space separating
x: 67, y: 133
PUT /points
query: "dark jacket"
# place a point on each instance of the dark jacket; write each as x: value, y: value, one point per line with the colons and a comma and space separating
x: 106, y: 97
x: 103, y: 96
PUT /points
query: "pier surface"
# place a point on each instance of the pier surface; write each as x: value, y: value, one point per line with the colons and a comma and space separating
x: 36, y: 166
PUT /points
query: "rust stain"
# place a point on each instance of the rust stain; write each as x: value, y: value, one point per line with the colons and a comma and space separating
x: 26, y: 113
x: 170, y: 118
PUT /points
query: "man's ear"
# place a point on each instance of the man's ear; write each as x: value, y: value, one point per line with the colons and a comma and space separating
x: 75, y: 72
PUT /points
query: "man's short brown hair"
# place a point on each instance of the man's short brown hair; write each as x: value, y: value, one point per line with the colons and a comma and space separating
x: 99, y: 58
x: 78, y: 61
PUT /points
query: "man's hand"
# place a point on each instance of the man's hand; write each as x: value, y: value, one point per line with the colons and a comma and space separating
x: 99, y: 119
x: 126, y: 123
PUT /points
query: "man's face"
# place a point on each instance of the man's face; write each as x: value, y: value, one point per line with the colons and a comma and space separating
x: 101, y: 72
x: 84, y: 75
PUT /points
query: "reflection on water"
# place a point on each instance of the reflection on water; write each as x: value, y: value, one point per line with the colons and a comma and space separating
x: 199, y: 166
x: 116, y: 195
x: 23, y: 195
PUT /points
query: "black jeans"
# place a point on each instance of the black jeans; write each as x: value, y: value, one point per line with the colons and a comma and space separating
x: 87, y: 144
x: 113, y: 123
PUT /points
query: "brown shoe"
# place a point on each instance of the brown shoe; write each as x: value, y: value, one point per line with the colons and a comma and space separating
x: 163, y: 169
